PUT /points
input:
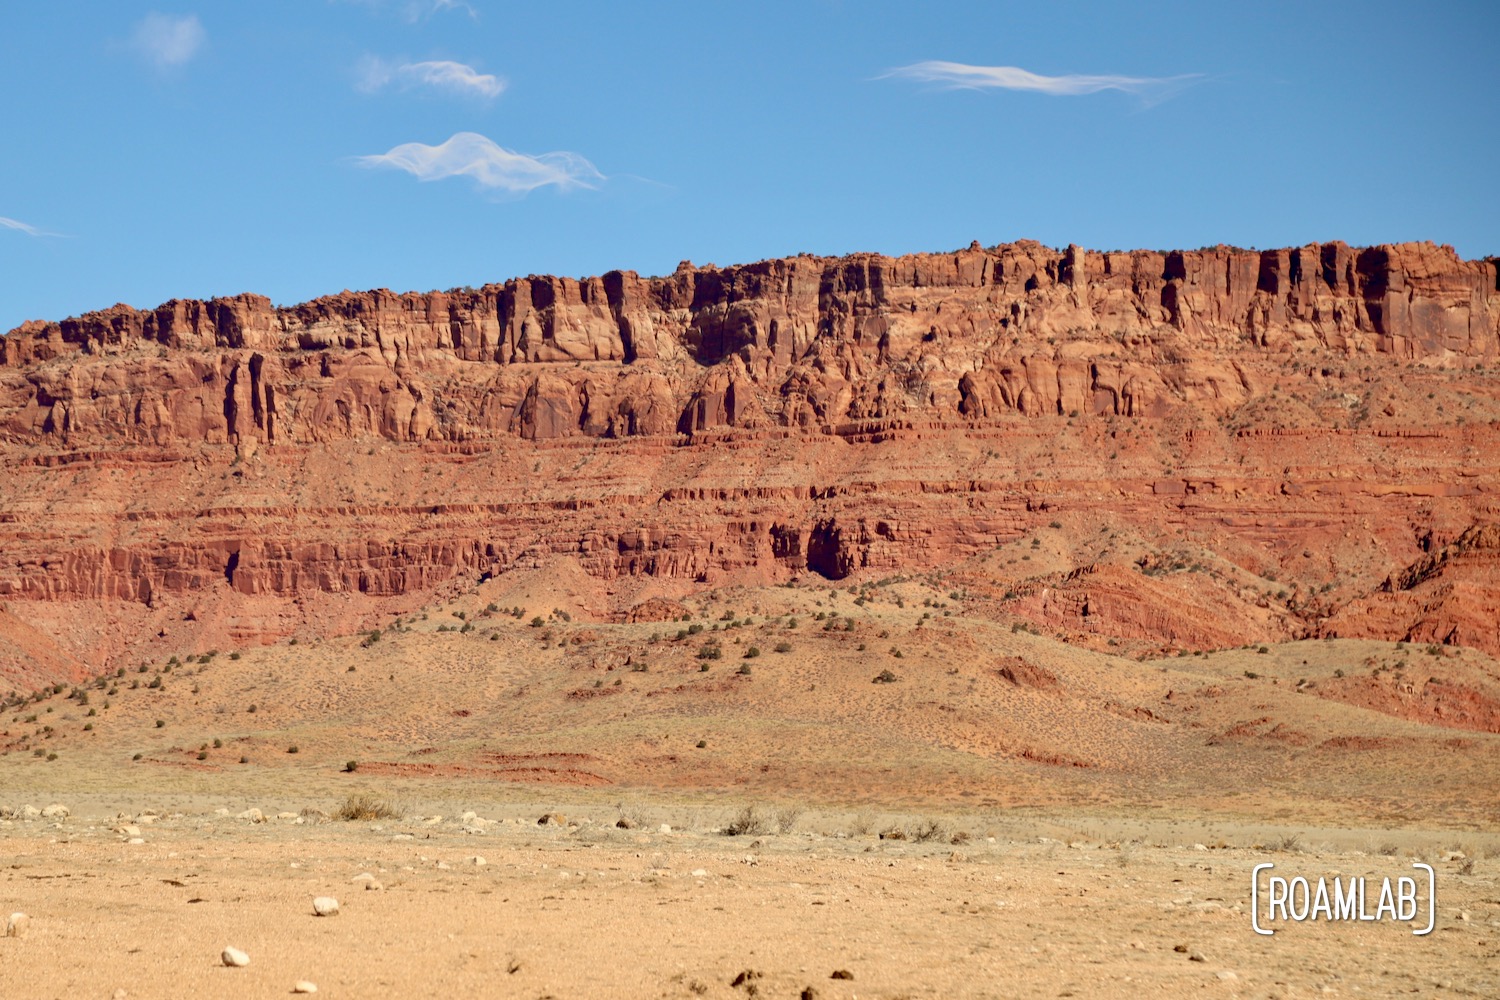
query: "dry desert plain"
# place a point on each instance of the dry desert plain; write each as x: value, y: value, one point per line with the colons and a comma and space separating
x: 596, y: 809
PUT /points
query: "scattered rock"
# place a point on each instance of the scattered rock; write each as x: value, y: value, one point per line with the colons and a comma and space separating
x: 253, y: 815
x: 286, y: 815
x: 552, y: 819
x: 363, y: 877
x: 374, y: 885
x: 700, y: 873
x: 1197, y: 956
x: 841, y: 974
x: 30, y: 812
x: 1226, y: 975
x: 303, y: 986
x: 1181, y: 949
x: 624, y: 824
x: 478, y: 862
x: 136, y: 840
x: 745, y: 979
x: 56, y: 811
x: 325, y: 906
x: 129, y: 831
x: 18, y: 925
x: 808, y: 993
x: 234, y: 958
x: 664, y: 828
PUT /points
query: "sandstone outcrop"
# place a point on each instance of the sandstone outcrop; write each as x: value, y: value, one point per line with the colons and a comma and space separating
x: 1315, y: 415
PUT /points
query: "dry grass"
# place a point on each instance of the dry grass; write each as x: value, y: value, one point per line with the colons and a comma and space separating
x: 368, y: 806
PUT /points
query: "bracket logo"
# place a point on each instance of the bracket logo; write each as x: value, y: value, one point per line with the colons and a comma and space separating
x: 1359, y: 898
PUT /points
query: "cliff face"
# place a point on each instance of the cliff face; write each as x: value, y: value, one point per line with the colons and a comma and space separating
x: 804, y: 415
x: 804, y: 342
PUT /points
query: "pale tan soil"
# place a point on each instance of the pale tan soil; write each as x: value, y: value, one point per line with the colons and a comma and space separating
x: 589, y: 910
x: 1097, y: 773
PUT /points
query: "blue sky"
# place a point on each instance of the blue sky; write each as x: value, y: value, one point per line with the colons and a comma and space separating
x: 300, y: 147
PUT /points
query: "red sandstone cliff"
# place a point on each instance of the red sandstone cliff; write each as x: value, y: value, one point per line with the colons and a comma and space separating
x: 1309, y: 414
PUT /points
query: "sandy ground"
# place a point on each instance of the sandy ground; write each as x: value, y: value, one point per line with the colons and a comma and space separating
x: 1102, y: 907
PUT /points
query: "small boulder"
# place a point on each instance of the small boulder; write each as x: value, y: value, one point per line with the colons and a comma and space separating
x: 18, y: 925
x: 56, y: 811
x: 234, y: 958
x: 303, y: 986
x: 325, y: 906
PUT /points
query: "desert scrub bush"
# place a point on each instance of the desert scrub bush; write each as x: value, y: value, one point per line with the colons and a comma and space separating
x: 711, y: 651
x: 367, y: 806
x: 750, y: 821
x: 744, y: 670
x: 351, y: 766
x: 884, y: 677
x: 929, y: 829
x: 786, y: 818
x: 752, y: 652
x: 783, y: 647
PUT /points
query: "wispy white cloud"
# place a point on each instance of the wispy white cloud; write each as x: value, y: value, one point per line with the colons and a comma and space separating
x: 22, y: 227
x: 418, y: 10
x: 433, y: 6
x: 374, y: 74
x: 166, y: 40
x: 468, y: 154
x: 961, y: 76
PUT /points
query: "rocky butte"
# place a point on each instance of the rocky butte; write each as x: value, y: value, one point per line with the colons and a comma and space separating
x: 1187, y: 449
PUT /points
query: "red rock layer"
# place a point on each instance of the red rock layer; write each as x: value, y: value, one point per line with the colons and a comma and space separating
x: 1317, y: 417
